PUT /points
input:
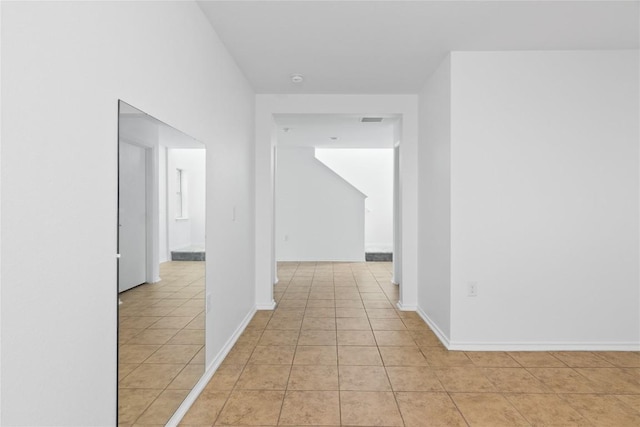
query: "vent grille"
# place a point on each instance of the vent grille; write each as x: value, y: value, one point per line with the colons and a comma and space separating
x: 371, y: 119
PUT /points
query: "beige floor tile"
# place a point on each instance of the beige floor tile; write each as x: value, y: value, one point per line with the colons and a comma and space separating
x: 351, y: 312
x: 249, y: 407
x: 414, y: 324
x: 488, y: 410
x: 277, y: 337
x: 603, y: 410
x: 196, y: 323
x: 631, y: 400
x: 125, y: 369
x: 320, y: 312
x: 151, y: 376
x: 446, y: 358
x: 352, y: 324
x: 273, y: 355
x: 361, y: 338
x: 312, y: 408
x: 581, y: 359
x: 206, y: 408
x: 284, y: 323
x: 187, y: 378
x: 612, y: 380
x: 174, y: 354
x: 365, y: 378
x: 316, y: 355
x: 563, y: 380
x: 238, y: 356
x: 556, y: 410
x: 425, y: 338
x: 312, y: 337
x: 492, y: 359
x: 381, y: 313
x: 264, y: 377
x: 387, y: 325
x: 536, y: 359
x: 225, y: 377
x: 321, y: 295
x: 359, y: 356
x: 378, y: 304
x: 153, y: 336
x: 514, y: 380
x: 304, y: 377
x: 137, y: 322
x: 188, y: 336
x: 125, y: 335
x: 349, y: 303
x: 319, y: 324
x: 187, y: 310
x: 133, y: 402
x: 402, y: 356
x: 293, y: 303
x: 622, y: 359
x: 413, y: 378
x: 420, y: 409
x: 163, y: 407
x: 175, y: 322
x: 369, y: 408
x: 321, y: 303
x: 394, y: 338
x: 136, y: 353
x: 464, y: 379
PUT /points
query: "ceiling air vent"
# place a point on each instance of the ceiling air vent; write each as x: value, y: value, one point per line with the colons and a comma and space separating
x: 371, y: 119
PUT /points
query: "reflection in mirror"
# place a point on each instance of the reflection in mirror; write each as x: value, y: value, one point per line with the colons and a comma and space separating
x: 161, y: 269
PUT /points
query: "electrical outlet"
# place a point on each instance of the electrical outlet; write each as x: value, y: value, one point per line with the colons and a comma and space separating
x: 472, y: 289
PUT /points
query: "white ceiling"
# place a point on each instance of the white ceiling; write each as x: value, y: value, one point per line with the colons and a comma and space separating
x: 393, y: 46
x: 316, y: 130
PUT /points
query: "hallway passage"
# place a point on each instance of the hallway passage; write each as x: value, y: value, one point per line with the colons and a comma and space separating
x: 337, y: 352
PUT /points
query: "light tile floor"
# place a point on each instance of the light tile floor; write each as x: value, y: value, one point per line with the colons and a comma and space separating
x: 161, y: 344
x: 337, y: 352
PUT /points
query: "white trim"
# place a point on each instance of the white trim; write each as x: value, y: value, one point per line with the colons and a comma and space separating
x: 527, y: 346
x: 211, y: 369
x: 436, y: 330
x: 403, y: 307
x: 270, y: 306
x: 544, y: 346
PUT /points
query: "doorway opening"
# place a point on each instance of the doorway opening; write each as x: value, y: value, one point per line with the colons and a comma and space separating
x: 335, y: 190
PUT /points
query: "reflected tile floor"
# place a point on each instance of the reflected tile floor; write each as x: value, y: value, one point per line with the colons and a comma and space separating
x: 336, y: 351
x: 161, y: 344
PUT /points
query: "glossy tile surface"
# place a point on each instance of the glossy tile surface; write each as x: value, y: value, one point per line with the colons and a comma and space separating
x: 161, y: 338
x: 336, y: 351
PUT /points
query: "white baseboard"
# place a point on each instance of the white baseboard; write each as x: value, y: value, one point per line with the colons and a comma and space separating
x: 211, y: 369
x: 526, y: 345
x: 270, y: 306
x: 436, y: 330
x: 403, y: 307
x: 543, y: 346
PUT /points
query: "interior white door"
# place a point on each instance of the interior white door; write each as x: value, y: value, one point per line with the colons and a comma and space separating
x: 132, y: 216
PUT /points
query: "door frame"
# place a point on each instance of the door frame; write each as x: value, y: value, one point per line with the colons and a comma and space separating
x: 269, y: 105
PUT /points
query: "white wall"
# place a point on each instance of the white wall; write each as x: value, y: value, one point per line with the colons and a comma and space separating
x: 187, y: 231
x: 64, y: 66
x: 269, y: 104
x: 544, y: 200
x: 319, y: 215
x: 434, y: 156
x: 370, y: 171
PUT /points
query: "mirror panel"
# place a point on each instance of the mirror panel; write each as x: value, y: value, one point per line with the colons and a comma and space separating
x: 161, y: 269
